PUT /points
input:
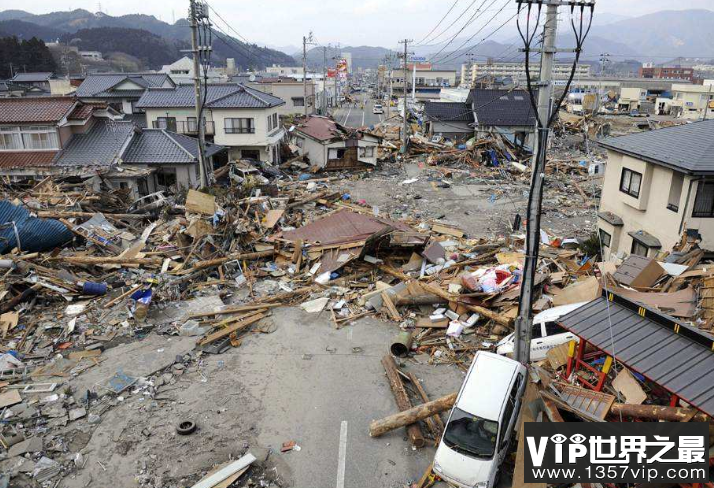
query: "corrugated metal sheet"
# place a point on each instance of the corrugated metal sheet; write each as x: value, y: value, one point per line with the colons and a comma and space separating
x: 35, y: 234
x: 669, y: 353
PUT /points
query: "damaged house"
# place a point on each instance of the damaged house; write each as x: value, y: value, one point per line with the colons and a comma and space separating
x: 65, y: 137
x: 658, y: 185
x: 508, y: 112
x: 450, y: 120
x: 326, y: 144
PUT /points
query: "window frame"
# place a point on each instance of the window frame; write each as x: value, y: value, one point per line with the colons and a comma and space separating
x: 23, y: 136
x: 706, y: 214
x: 629, y: 191
x: 298, y: 101
x: 245, y: 125
x: 637, y: 244
x: 604, y: 233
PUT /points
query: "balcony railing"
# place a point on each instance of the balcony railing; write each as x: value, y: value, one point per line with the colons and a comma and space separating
x: 184, y: 126
x: 240, y: 130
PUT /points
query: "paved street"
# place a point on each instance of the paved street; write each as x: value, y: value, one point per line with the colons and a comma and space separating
x: 355, y: 116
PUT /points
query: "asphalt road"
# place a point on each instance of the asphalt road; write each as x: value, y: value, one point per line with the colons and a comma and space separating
x: 351, y: 116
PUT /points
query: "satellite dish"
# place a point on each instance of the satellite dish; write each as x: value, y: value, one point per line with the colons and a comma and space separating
x: 251, y: 78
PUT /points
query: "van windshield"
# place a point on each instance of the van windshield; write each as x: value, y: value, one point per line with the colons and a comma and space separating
x: 471, y: 435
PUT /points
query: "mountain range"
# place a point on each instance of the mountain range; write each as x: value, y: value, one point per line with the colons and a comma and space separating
x: 657, y: 37
x: 61, y: 25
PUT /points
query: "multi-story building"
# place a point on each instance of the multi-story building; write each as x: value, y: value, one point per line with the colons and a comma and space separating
x: 693, y: 102
x: 277, y: 70
x: 243, y: 119
x: 658, y: 185
x: 667, y: 72
x: 64, y: 136
x: 289, y: 90
x: 517, y: 71
x: 429, y: 81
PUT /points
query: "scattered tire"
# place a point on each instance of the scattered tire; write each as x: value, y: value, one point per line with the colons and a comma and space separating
x: 186, y: 427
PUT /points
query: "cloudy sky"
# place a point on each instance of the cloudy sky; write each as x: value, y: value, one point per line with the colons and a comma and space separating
x: 350, y: 22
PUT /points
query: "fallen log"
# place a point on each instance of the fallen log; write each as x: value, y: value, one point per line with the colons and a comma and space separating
x: 659, y: 412
x: 402, y: 399
x: 407, y: 417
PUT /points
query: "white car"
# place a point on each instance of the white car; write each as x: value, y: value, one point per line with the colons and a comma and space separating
x: 377, y: 109
x: 546, y: 333
x: 480, y: 426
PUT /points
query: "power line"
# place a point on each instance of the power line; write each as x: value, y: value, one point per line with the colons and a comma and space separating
x: 473, y: 17
x: 454, y: 21
x: 442, y: 20
x: 455, y: 53
x: 235, y: 46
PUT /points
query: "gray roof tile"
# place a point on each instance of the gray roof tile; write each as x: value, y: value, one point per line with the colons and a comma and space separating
x: 32, y: 77
x: 158, y: 146
x: 219, y: 95
x: 688, y: 147
x: 502, y: 107
x: 448, y: 111
x: 100, y: 84
x: 102, y: 145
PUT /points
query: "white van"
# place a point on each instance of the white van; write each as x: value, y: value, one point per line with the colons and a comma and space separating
x: 480, y: 426
x: 545, y: 335
x: 377, y: 109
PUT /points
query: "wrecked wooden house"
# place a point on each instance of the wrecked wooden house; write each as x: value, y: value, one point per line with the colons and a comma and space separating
x: 328, y: 145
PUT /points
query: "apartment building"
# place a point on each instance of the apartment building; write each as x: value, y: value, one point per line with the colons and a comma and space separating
x: 517, y: 71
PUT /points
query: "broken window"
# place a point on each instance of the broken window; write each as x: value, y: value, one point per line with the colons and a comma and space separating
x: 366, y: 152
x: 336, y: 153
x: 630, y: 182
x: 704, y: 201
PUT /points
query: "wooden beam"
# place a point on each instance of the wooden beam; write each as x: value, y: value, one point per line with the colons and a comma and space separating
x: 402, y: 399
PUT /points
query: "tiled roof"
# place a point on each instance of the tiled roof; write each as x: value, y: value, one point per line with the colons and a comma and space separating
x: 688, y: 147
x: 158, y: 146
x: 32, y: 77
x: 502, y: 107
x: 448, y: 111
x: 34, y: 109
x: 102, y: 145
x: 100, y: 84
x: 25, y: 159
x: 84, y: 110
x: 319, y: 127
x: 219, y: 95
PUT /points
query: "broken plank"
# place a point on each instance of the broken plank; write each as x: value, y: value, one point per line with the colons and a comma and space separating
x: 230, y: 329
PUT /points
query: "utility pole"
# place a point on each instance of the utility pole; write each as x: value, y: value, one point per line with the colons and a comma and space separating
x: 391, y: 74
x: 198, y: 11
x: 305, y: 41
x: 524, y: 321
x: 706, y: 105
x: 323, y: 102
x: 405, y: 135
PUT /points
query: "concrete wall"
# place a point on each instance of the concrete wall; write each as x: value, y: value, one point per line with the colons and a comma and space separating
x: 650, y: 211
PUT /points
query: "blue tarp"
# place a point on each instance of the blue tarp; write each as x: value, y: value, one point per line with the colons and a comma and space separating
x: 35, y: 234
